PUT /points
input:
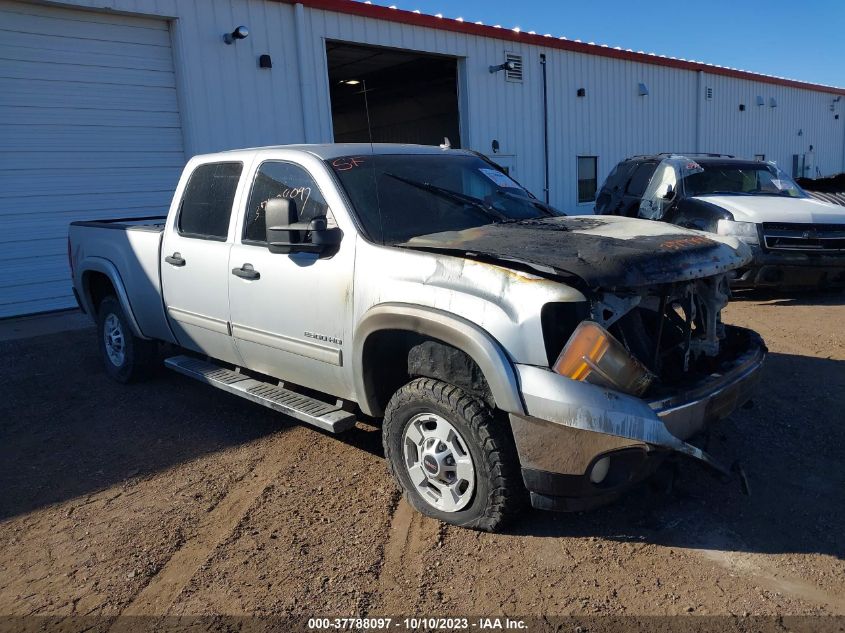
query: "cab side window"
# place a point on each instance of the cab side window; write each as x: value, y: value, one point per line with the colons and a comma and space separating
x: 207, y: 202
x: 277, y: 179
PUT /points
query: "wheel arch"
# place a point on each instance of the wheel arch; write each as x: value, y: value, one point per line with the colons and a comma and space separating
x: 96, y: 275
x: 437, y: 325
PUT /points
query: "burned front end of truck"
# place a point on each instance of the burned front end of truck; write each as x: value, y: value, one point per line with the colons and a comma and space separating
x: 644, y: 372
x: 610, y: 352
x: 638, y: 368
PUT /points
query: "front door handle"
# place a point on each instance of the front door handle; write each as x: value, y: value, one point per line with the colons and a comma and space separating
x: 175, y: 260
x: 246, y: 272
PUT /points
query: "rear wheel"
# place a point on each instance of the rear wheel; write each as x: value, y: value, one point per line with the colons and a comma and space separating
x: 126, y: 357
x: 453, y: 458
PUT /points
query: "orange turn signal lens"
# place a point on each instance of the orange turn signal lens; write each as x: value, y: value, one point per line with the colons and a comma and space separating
x: 593, y: 355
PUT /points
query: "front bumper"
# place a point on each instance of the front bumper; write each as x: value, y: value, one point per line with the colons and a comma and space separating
x: 791, y: 269
x: 571, y: 425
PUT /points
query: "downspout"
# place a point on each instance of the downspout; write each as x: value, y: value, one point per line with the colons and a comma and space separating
x: 545, y: 130
x: 843, y: 145
x: 304, y: 88
x: 699, y: 113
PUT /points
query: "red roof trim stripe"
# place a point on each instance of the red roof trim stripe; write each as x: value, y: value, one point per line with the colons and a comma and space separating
x: 446, y: 24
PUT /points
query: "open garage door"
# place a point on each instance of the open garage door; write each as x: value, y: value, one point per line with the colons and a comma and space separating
x: 412, y: 97
x: 89, y: 128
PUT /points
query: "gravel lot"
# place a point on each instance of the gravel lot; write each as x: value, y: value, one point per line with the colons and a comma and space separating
x: 169, y: 497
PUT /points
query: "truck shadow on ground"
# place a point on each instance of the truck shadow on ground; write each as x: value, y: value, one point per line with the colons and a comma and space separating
x: 66, y: 430
x: 789, y: 443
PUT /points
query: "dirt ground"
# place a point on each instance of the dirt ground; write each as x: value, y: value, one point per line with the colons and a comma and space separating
x: 169, y: 497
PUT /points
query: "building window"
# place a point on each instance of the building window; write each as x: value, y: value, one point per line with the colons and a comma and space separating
x: 760, y: 157
x: 587, y: 178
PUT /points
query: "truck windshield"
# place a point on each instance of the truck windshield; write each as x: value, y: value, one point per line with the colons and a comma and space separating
x: 741, y: 179
x: 401, y: 196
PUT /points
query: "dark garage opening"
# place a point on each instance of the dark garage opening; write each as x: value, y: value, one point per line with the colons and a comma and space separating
x: 412, y: 97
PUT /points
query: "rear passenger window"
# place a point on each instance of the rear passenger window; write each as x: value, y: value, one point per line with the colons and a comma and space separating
x: 619, y: 176
x: 640, y: 179
x: 207, y: 201
x: 276, y: 179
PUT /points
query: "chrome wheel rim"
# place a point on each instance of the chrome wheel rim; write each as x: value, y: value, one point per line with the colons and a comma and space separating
x: 438, y: 462
x: 113, y: 338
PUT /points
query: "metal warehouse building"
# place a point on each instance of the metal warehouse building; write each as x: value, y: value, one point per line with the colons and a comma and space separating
x: 102, y: 102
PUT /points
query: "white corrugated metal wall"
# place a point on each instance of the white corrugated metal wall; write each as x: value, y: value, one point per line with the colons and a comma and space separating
x: 613, y: 121
x: 226, y: 101
x: 89, y: 128
x: 774, y: 131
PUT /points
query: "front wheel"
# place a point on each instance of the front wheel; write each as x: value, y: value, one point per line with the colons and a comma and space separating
x: 455, y: 460
x: 126, y: 357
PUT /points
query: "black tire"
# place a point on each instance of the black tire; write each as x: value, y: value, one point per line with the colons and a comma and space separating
x: 139, y: 358
x: 499, y: 492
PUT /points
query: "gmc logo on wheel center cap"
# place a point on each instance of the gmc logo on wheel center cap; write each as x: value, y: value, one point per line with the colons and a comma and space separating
x: 430, y: 464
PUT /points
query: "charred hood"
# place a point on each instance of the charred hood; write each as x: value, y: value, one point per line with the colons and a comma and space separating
x: 598, y: 251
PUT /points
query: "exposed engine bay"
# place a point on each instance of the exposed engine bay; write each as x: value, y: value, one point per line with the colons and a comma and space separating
x: 673, y: 331
x: 669, y: 327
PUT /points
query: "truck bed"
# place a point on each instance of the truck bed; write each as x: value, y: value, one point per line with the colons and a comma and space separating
x: 153, y: 223
x: 132, y: 246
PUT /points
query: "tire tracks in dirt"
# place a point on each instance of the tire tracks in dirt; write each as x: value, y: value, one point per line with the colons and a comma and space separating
x: 754, y: 566
x: 214, y: 528
x: 404, y: 563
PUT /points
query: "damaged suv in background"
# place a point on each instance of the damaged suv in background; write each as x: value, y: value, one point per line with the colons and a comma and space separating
x: 513, y: 352
x: 796, y: 241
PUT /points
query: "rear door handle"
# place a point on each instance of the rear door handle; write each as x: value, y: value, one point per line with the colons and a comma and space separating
x: 175, y: 260
x: 246, y: 272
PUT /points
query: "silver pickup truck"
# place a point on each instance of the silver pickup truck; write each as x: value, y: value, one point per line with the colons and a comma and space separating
x: 514, y: 353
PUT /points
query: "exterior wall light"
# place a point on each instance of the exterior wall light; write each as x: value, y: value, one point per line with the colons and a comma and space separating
x: 582, y: 92
x: 643, y: 90
x: 505, y: 66
x: 773, y: 103
x: 760, y: 100
x: 240, y: 33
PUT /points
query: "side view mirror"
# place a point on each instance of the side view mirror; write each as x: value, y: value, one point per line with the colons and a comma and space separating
x: 285, y: 234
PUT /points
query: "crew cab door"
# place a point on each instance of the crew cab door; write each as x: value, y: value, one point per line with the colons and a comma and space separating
x: 291, y: 313
x: 195, y: 259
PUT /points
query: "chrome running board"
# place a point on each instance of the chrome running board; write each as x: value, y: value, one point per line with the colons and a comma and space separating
x: 324, y: 415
